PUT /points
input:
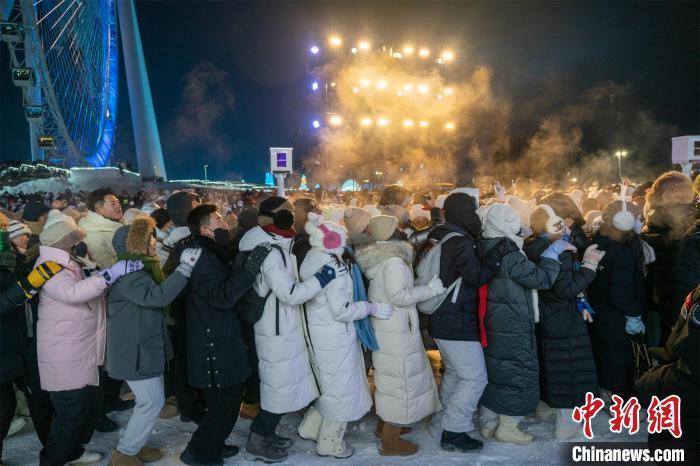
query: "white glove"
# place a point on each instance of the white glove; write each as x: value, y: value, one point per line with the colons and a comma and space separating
x: 500, y: 191
x: 188, y: 259
x: 380, y: 310
x: 592, y: 257
x: 436, y: 286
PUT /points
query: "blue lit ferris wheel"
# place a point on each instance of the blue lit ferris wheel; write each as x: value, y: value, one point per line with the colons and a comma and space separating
x: 65, y: 58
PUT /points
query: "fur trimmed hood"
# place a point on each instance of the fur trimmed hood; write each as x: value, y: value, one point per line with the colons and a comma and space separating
x: 372, y: 256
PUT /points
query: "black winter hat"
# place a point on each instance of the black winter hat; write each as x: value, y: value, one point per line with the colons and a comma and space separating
x: 33, y: 210
x: 460, y: 210
x: 161, y: 217
x: 179, y: 205
x: 248, y: 218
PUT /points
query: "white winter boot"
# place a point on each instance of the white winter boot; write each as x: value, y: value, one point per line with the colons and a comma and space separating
x: 488, y: 421
x: 507, y: 431
x: 330, y: 440
x: 310, y: 425
x: 16, y: 425
x: 564, y: 427
x: 544, y: 412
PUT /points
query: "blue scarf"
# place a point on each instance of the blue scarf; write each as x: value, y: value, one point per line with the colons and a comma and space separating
x: 363, y: 327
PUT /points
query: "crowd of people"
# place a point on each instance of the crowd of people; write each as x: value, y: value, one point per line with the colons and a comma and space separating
x: 215, y: 305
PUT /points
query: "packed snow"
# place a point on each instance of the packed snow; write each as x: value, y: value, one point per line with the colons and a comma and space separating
x: 172, y: 436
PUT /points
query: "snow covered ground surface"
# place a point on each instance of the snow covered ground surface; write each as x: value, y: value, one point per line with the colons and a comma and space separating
x: 172, y: 436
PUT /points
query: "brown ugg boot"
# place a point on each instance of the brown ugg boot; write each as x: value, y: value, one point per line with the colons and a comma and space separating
x: 149, y: 454
x: 390, y: 444
x: 120, y: 459
x: 249, y: 411
x: 380, y: 425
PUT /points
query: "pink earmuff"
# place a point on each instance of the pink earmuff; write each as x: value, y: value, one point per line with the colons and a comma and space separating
x: 331, y: 239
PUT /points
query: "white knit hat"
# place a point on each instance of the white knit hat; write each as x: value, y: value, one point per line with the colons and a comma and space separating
x: 502, y: 221
x: 381, y: 227
x: 16, y: 229
x: 324, y: 235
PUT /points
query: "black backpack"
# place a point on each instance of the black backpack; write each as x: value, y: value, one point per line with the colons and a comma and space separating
x: 251, y: 306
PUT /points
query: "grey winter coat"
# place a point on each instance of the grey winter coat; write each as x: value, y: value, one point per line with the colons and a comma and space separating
x: 511, y: 354
x: 136, y: 335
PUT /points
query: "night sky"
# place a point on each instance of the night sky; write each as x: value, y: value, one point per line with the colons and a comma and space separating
x: 229, y: 79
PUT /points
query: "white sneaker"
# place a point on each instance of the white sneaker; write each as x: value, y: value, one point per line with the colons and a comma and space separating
x: 486, y: 432
x: 17, y: 424
x: 88, y: 457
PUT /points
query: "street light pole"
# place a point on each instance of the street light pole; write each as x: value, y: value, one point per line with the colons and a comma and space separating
x: 619, y: 154
x: 205, y: 173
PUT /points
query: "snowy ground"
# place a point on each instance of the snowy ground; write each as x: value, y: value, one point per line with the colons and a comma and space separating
x: 172, y: 436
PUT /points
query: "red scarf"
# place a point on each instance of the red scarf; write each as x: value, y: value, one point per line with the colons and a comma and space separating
x: 288, y: 233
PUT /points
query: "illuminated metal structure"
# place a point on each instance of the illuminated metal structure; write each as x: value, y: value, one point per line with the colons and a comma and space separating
x: 64, y: 57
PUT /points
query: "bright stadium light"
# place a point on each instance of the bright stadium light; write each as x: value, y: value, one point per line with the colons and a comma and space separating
x: 408, y: 50
x: 383, y: 122
x: 439, y: 96
x: 448, y: 91
x: 355, y: 90
x: 316, y: 124
x: 424, y: 53
x: 449, y: 126
x: 335, y: 41
x: 333, y: 84
x: 423, y: 89
x: 408, y: 87
x: 397, y: 55
x: 335, y: 120
x: 381, y: 84
x: 366, y: 121
x: 399, y: 93
x: 314, y: 50
x: 424, y: 124
x: 314, y: 86
x: 363, y: 45
x: 365, y: 82
x: 408, y: 123
x: 353, y: 50
x: 448, y: 56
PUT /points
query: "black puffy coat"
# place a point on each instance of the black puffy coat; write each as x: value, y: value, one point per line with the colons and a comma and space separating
x: 567, y: 369
x: 216, y: 354
x: 679, y: 375
x: 616, y: 292
x: 460, y: 257
x: 664, y: 231
x: 687, y: 272
x: 511, y: 354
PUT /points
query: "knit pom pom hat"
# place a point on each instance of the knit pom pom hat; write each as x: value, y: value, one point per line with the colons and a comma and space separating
x: 325, y: 235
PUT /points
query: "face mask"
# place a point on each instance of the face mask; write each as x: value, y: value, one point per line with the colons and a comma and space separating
x: 221, y: 235
x: 80, y: 250
x: 284, y: 219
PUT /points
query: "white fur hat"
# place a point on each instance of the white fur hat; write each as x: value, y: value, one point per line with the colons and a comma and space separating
x: 325, y: 235
x: 416, y: 211
x: 473, y: 192
x: 523, y: 208
x: 440, y: 201
x: 502, y: 221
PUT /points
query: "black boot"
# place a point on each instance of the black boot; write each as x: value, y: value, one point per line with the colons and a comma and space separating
x: 280, y: 442
x: 230, y: 451
x: 190, y: 459
x: 260, y: 448
x: 459, y: 441
x: 105, y: 424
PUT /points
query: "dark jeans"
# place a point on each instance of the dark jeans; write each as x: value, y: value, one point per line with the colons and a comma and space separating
x: 223, y: 404
x: 265, y: 423
x: 76, y: 413
x: 186, y: 395
x: 251, y: 386
x: 111, y: 389
x: 38, y: 401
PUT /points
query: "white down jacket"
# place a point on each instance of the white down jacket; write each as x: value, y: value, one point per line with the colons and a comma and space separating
x: 286, y: 381
x: 406, y: 390
x: 335, y: 350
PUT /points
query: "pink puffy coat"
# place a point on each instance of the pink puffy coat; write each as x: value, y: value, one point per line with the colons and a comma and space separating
x: 71, y: 329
